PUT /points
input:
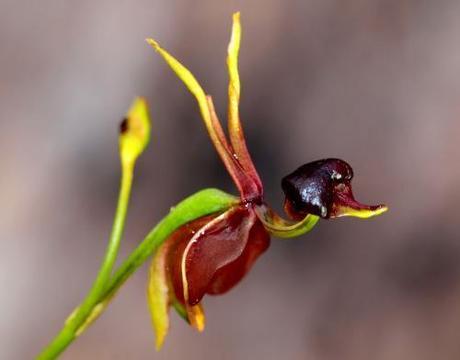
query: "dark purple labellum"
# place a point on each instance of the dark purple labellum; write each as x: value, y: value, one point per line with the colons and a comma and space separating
x: 310, y: 188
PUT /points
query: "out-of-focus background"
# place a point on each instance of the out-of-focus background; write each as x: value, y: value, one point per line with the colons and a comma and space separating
x: 374, y: 82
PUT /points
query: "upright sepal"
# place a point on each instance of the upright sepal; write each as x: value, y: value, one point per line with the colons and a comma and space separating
x: 235, y: 128
x: 246, y: 185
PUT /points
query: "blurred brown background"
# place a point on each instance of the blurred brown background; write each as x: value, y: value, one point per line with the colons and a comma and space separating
x: 374, y: 82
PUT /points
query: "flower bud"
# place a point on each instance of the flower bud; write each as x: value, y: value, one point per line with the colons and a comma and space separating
x: 134, y: 132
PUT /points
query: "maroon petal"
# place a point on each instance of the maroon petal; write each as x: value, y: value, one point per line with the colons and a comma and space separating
x: 212, y: 254
x: 219, y: 243
x: 228, y: 276
x: 178, y: 242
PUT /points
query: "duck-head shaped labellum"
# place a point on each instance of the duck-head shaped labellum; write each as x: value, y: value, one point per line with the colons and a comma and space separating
x: 212, y: 254
x: 323, y: 188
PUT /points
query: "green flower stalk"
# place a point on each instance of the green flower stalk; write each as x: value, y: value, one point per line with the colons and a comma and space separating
x: 133, y: 139
x: 209, y: 241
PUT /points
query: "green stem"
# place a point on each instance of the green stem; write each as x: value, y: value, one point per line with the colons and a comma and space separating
x: 79, y: 316
x: 117, y: 231
x: 200, y: 204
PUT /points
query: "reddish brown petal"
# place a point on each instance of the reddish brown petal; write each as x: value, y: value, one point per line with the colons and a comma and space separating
x: 228, y: 276
x: 179, y: 240
x: 216, y: 245
x: 212, y: 254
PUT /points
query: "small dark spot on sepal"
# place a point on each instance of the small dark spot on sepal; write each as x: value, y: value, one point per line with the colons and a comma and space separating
x: 124, y: 126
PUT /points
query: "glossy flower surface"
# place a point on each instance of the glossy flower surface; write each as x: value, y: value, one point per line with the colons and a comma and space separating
x: 323, y: 188
x: 212, y: 254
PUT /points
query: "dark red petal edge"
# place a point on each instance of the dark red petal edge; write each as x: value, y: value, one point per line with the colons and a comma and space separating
x: 217, y: 244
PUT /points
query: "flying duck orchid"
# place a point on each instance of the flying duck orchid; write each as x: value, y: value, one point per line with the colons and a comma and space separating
x: 210, y: 255
x: 210, y: 240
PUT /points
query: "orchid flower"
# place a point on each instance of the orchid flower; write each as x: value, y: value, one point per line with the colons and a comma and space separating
x: 211, y: 254
x: 209, y: 241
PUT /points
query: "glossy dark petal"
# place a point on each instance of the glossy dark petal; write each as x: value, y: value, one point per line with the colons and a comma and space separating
x: 212, y: 254
x: 323, y: 188
x: 177, y: 243
x: 216, y: 245
x: 228, y: 276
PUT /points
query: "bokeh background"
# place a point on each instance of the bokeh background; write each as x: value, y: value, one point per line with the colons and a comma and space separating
x: 376, y: 82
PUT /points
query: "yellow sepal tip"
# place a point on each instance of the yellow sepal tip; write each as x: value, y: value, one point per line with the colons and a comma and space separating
x: 134, y: 131
x: 196, y: 317
x: 362, y: 213
x: 153, y: 43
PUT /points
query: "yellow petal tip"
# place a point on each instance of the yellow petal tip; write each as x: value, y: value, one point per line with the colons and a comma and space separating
x: 196, y: 317
x: 153, y: 43
x: 134, y: 131
x: 159, y: 342
x: 363, y: 213
x: 381, y: 210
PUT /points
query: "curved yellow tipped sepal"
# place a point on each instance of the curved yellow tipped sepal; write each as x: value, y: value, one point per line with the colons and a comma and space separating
x: 187, y: 77
x: 362, y: 213
x: 134, y: 132
x: 204, y: 103
x: 232, y: 64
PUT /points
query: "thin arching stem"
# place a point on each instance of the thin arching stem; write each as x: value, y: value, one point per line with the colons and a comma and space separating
x: 203, y: 203
x: 71, y: 328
